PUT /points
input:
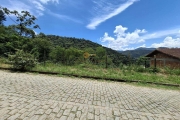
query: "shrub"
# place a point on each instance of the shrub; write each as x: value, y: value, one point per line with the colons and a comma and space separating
x: 140, y: 69
x: 22, y: 60
x: 154, y: 70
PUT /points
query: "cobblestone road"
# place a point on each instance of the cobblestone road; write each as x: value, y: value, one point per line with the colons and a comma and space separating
x: 41, y: 97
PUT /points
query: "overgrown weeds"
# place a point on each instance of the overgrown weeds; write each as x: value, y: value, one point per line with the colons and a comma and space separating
x: 128, y: 73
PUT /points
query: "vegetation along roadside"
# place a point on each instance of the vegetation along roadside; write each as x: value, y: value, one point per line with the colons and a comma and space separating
x: 21, y: 49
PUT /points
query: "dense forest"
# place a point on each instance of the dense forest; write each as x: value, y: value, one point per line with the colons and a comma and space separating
x: 20, y: 44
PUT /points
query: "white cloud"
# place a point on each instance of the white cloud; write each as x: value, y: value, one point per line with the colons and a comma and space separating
x: 38, y: 5
x: 122, y: 38
x: 35, y: 7
x: 168, y: 42
x: 162, y: 33
x: 178, y: 34
x: 144, y: 45
x: 120, y: 30
x: 39, y: 8
x: 17, y: 5
x: 108, y: 13
x: 63, y: 17
x: 46, y: 1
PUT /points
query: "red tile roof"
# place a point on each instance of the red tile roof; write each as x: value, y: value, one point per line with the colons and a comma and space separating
x: 174, y: 52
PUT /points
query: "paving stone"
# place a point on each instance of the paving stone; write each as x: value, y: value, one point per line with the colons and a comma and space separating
x: 23, y: 115
x: 43, y: 117
x: 63, y: 118
x: 4, y: 117
x: 97, y: 117
x: 45, y: 107
x: 39, y: 112
x: 51, y: 116
x: 129, y: 116
x: 91, y: 109
x: 90, y: 116
x: 124, y: 117
x: 31, y: 113
x: 117, y: 118
x: 14, y: 117
x: 35, y: 117
x: 71, y: 116
x: 74, y: 109
x: 102, y: 117
x: 69, y: 106
x: 3, y: 111
x: 59, y: 113
x: 48, y: 111
x: 67, y: 112
x: 23, y: 110
x: 83, y: 117
x: 76, y: 119
x: 97, y: 112
x: 102, y: 111
x: 34, y: 96
x: 116, y: 113
x: 13, y: 112
x: 78, y: 114
x: 54, y: 105
x: 56, y: 109
x: 31, y: 108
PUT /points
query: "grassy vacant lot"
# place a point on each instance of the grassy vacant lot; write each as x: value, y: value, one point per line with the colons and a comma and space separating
x: 126, y: 73
x: 129, y: 73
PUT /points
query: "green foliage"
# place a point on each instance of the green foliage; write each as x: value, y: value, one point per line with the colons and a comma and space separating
x: 64, y: 50
x: 66, y: 56
x: 171, y: 71
x: 23, y: 21
x: 2, y: 17
x: 100, y: 52
x: 57, y: 55
x: 143, y: 61
x: 127, y: 73
x: 140, y: 69
x: 10, y: 41
x: 87, y: 46
x: 89, y: 50
x: 41, y: 48
x: 22, y: 60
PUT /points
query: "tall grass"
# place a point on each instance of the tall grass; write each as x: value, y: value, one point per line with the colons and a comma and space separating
x: 125, y: 72
x: 4, y: 63
x: 132, y: 72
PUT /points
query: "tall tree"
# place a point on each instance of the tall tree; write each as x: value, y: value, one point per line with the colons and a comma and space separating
x: 42, y: 47
x: 2, y: 17
x: 25, y: 22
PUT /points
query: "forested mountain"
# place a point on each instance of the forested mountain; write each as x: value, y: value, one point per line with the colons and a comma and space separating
x: 87, y: 46
x: 137, y: 52
x: 23, y: 47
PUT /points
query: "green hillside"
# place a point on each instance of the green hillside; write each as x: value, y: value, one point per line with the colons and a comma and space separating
x: 87, y: 46
x: 20, y: 44
x: 137, y: 52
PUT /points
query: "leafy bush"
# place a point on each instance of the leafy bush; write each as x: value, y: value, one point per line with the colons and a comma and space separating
x: 154, y: 70
x: 2, y: 60
x: 171, y: 71
x: 22, y: 60
x: 140, y: 69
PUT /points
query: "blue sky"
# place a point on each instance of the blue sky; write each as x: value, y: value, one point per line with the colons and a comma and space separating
x: 117, y: 24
